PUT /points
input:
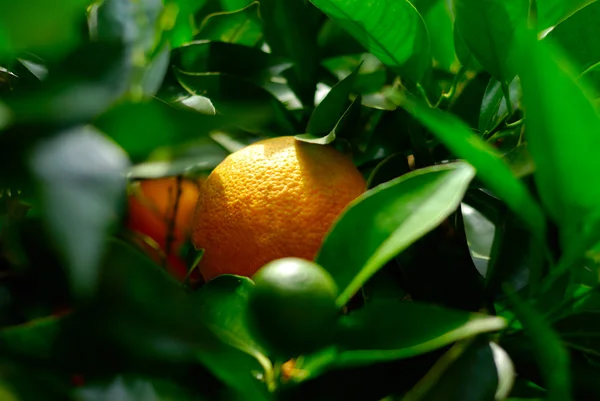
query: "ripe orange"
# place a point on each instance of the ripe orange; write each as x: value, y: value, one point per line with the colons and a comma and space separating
x: 150, y: 213
x: 273, y: 199
x: 292, y: 306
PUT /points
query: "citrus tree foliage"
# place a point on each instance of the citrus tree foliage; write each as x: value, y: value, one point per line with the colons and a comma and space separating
x: 467, y: 271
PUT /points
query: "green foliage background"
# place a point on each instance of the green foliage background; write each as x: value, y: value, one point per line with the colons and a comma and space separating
x: 470, y: 273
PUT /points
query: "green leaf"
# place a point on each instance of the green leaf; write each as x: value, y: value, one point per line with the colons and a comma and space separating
x: 490, y: 167
x: 243, y: 103
x: 480, y: 233
x: 551, y: 356
x: 242, y: 61
x: 389, y: 168
x: 575, y: 36
x: 140, y: 128
x: 464, y: 54
x: 440, y: 22
x: 488, y: 29
x: 551, y: 12
x: 325, y: 117
x: 580, y: 331
x: 394, y: 32
x: 387, y: 219
x: 471, y: 371
x: 299, y: 20
x: 222, y: 307
x: 591, y: 79
x: 555, y: 105
x: 81, y: 177
x: 242, y: 27
x: 46, y: 28
x: 234, y: 5
x: 386, y: 330
x: 494, y: 109
x: 33, y: 339
x: 340, y: 127
x: 179, y: 16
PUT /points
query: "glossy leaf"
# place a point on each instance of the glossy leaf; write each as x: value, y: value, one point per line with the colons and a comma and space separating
x: 245, y: 104
x: 393, y: 32
x: 81, y: 176
x: 488, y: 28
x: 494, y: 108
x: 387, y: 219
x: 490, y: 167
x: 480, y: 237
x: 242, y: 27
x: 575, y: 36
x: 388, y: 329
x: 299, y: 19
x: 329, y: 111
x: 341, y: 127
x: 222, y: 307
x: 554, y: 106
x: 551, y: 12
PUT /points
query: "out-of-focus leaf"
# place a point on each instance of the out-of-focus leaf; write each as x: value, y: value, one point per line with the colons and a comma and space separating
x: 490, y: 167
x: 47, y: 28
x: 576, y: 34
x: 469, y: 371
x: 242, y: 27
x: 488, y: 29
x: 580, y: 331
x: 179, y: 16
x: 234, y: 5
x: 552, y: 357
x: 81, y: 176
x: 387, y: 219
x: 299, y: 20
x: 243, y: 103
x: 554, y: 104
x: 34, y: 339
x: 387, y: 329
x: 551, y: 12
x: 494, y: 109
x: 404, y: 48
x: 140, y: 128
x: 464, y: 54
x: 330, y: 110
x: 335, y: 41
x: 591, y: 79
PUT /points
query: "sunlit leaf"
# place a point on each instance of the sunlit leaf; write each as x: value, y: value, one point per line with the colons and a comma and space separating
x: 387, y: 219
x: 393, y: 32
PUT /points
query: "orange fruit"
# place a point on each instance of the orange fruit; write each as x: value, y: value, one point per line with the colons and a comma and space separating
x: 292, y: 306
x: 151, y: 213
x: 273, y: 199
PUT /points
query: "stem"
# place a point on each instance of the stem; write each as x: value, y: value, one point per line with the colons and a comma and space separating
x: 447, y: 97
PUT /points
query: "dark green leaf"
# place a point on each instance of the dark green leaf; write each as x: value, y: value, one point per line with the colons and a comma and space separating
x: 33, y: 339
x: 386, y: 330
x: 490, y: 167
x: 81, y: 176
x: 325, y: 117
x: 576, y: 34
x: 488, y: 28
x: 554, y: 105
x: 243, y: 103
x: 494, y: 109
x: 591, y: 79
x: 142, y: 127
x: 387, y: 219
x: 242, y: 27
x: 464, y: 54
x: 391, y: 167
x: 471, y: 371
x: 439, y: 21
x: 394, y: 32
x: 341, y: 127
x: 299, y: 20
x: 552, y: 357
x: 581, y: 331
